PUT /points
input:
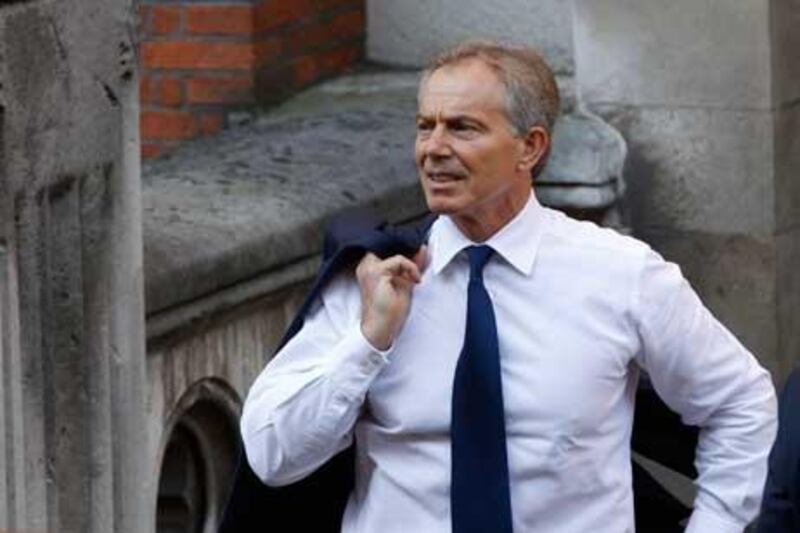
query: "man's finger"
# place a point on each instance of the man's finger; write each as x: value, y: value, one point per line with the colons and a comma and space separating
x: 421, y: 258
x: 399, y: 265
x: 366, y: 263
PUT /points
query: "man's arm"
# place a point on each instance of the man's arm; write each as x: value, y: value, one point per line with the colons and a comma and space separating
x: 702, y: 372
x: 301, y: 409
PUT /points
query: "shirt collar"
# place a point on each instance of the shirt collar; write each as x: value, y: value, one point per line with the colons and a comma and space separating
x: 517, y: 242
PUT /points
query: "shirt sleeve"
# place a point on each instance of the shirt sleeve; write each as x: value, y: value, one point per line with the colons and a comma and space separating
x: 301, y: 409
x: 703, y: 373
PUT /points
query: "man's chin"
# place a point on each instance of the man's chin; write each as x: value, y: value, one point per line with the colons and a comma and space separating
x: 440, y: 207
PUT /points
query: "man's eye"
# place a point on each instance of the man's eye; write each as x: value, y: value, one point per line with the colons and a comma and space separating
x: 462, y: 127
x: 424, y: 126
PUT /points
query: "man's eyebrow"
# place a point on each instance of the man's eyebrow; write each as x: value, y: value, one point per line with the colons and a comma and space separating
x: 451, y: 118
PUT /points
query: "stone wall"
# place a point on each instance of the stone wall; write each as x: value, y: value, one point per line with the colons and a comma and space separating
x: 198, y: 378
x: 200, y: 60
x: 702, y: 91
x: 71, y: 299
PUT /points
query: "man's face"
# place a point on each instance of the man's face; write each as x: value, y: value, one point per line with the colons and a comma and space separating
x: 469, y: 161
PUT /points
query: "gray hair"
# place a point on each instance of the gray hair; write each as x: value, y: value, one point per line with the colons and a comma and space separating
x: 531, y: 97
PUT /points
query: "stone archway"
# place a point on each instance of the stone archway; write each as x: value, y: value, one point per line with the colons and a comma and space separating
x: 199, y: 451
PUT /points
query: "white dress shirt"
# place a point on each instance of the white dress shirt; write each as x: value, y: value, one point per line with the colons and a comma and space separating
x: 580, y: 309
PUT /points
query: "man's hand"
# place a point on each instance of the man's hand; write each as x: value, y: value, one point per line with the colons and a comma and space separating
x: 386, y: 287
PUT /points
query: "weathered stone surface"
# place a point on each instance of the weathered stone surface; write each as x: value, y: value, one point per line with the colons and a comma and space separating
x: 735, y: 277
x: 585, y: 167
x: 787, y: 167
x: 788, y: 293
x: 785, y: 21
x: 410, y: 32
x: 713, y: 53
x: 73, y: 332
x: 221, y: 358
x: 52, y: 57
x: 221, y: 211
x: 708, y: 170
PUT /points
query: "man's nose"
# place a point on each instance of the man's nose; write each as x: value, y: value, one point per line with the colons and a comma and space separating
x: 437, y: 144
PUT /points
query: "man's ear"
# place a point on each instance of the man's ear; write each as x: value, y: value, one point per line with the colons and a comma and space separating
x: 535, y: 145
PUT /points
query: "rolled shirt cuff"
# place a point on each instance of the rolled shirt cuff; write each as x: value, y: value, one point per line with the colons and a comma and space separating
x: 707, y: 522
x: 357, y: 364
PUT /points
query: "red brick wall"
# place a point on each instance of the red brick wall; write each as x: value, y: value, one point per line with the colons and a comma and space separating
x: 200, y: 60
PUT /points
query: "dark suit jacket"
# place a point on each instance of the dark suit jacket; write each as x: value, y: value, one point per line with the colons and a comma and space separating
x: 780, y: 508
x: 316, y: 503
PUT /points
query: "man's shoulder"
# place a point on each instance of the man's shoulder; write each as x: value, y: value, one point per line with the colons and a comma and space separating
x: 586, y: 237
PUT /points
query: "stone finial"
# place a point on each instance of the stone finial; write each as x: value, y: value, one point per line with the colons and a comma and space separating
x: 584, y: 174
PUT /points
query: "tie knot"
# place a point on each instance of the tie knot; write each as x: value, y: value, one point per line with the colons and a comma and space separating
x: 478, y: 257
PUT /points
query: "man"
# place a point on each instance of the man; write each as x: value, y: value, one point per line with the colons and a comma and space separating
x: 489, y: 380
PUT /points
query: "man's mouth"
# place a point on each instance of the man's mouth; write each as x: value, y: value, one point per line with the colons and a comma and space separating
x: 443, y: 177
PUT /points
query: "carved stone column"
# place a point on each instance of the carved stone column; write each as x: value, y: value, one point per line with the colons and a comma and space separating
x: 71, y: 314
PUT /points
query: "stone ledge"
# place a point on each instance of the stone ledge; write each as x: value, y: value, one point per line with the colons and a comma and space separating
x: 232, y: 208
x: 230, y: 217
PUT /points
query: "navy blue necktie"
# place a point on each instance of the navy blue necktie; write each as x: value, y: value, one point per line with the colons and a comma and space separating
x: 479, y: 491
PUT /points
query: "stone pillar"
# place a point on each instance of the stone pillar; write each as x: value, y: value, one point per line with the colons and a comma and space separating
x: 71, y: 311
x: 785, y: 41
x: 706, y: 95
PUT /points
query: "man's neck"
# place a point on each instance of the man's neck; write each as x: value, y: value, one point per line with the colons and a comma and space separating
x: 481, y: 226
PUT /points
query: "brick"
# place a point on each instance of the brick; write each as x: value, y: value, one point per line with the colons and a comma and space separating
x: 169, y: 91
x: 307, y: 38
x: 268, y: 51
x: 167, y: 125
x: 305, y: 70
x: 219, y: 20
x: 342, y: 27
x: 273, y: 83
x: 197, y: 55
x: 162, y: 91
x: 349, y: 24
x: 309, y: 68
x: 145, y: 89
x: 339, y: 59
x: 151, y: 150
x: 310, y: 37
x: 210, y: 123
x: 165, y: 20
x: 271, y: 14
x: 324, y: 5
x: 142, y: 20
x: 217, y: 90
